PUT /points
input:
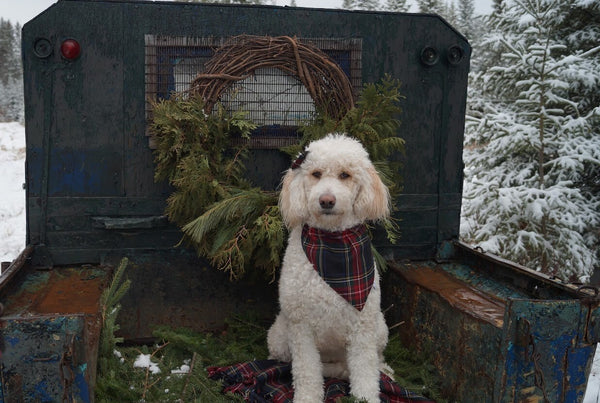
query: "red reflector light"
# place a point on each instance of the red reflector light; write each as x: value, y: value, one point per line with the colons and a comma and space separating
x: 70, y: 49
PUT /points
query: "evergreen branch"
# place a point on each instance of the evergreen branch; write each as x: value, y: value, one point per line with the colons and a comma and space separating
x: 241, y: 205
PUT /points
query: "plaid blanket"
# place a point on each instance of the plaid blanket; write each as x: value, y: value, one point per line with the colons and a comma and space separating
x: 343, y: 259
x: 265, y: 381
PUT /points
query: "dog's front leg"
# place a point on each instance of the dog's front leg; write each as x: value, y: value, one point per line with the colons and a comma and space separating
x: 363, y: 364
x: 307, y: 371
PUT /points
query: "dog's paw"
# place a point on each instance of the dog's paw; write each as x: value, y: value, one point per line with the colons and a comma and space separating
x: 386, y: 369
x: 372, y: 399
x: 308, y: 397
x: 365, y: 390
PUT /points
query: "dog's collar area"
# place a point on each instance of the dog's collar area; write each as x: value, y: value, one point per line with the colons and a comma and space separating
x: 359, y: 230
x: 343, y: 259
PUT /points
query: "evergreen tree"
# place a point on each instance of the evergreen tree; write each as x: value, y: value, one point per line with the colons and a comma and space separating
x: 448, y: 11
x: 349, y: 4
x: 466, y: 17
x: 529, y: 143
x: 429, y: 6
x: 397, y: 6
x: 367, y: 4
x: 361, y: 5
x: 6, y: 50
x: 498, y: 7
x: 227, y: 1
x: 11, y: 81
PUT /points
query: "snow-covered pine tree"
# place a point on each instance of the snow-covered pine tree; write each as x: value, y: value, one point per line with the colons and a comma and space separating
x: 466, y: 16
x: 397, y: 6
x: 529, y: 143
x: 349, y: 4
x: 580, y: 29
x: 361, y: 5
x: 11, y: 79
x: 367, y: 5
x: 430, y: 6
x: 498, y: 7
x: 448, y: 11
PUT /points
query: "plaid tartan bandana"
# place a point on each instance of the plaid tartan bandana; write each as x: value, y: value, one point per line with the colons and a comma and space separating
x: 343, y: 259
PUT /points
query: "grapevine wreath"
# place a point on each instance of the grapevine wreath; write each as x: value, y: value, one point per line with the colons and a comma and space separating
x: 232, y: 223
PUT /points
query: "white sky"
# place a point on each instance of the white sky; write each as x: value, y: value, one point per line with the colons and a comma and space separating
x: 22, y: 11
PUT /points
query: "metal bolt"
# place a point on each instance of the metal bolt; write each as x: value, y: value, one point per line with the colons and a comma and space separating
x: 429, y: 56
x: 455, y: 55
x: 42, y: 48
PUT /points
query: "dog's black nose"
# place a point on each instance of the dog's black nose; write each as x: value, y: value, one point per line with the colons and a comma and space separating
x: 327, y: 201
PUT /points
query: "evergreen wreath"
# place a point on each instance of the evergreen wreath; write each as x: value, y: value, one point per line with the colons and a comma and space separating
x: 233, y: 224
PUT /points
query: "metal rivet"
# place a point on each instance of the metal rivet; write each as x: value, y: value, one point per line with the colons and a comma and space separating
x: 42, y: 48
x: 429, y: 56
x: 455, y: 55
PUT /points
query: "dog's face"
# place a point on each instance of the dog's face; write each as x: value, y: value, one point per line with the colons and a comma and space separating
x: 334, y: 188
x: 330, y: 192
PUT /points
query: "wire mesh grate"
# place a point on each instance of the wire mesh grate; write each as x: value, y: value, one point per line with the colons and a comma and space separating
x: 275, y: 100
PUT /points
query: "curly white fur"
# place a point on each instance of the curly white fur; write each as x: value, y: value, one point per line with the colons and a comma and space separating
x: 335, y: 188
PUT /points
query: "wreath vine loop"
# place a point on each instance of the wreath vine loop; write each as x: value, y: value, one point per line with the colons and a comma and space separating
x: 242, y: 55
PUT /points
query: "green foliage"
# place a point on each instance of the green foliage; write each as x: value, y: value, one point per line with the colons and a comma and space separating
x: 195, y: 154
x: 110, y: 307
x: 238, y: 227
x: 243, y: 339
x: 414, y: 371
x: 240, y: 232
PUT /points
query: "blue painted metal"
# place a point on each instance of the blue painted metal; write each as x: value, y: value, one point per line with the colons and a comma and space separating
x: 50, y: 324
x: 44, y: 361
x: 497, y: 332
x: 545, y: 356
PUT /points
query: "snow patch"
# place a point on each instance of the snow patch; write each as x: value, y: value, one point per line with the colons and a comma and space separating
x: 145, y: 361
x: 12, y: 201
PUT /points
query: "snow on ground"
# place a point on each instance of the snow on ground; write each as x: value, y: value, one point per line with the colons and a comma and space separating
x: 592, y: 394
x: 12, y: 223
x: 145, y: 361
x: 12, y: 195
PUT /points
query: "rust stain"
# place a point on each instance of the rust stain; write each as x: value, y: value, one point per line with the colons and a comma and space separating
x: 457, y: 293
x: 60, y: 291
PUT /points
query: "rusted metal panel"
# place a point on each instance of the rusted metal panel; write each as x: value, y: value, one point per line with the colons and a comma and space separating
x: 44, y: 359
x: 51, y: 327
x: 592, y: 334
x: 497, y: 332
x: 434, y: 313
x: 543, y: 355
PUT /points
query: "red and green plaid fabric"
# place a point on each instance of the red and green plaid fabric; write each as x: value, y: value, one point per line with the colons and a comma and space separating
x: 343, y: 259
x: 265, y: 381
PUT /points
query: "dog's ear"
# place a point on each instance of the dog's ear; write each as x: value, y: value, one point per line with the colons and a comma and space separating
x: 373, y: 200
x: 292, y: 200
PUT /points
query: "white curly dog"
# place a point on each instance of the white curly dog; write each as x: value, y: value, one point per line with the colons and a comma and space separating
x: 330, y: 323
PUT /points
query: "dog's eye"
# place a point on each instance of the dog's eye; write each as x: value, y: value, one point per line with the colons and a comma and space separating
x: 344, y: 175
x: 317, y: 174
